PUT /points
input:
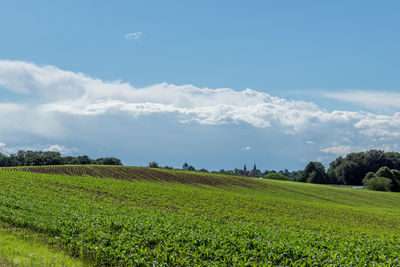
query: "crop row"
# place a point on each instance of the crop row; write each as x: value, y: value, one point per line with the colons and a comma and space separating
x: 141, y: 173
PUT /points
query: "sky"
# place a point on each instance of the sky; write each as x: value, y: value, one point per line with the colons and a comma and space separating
x: 217, y: 84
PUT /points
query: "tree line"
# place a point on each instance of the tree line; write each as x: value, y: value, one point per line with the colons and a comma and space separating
x: 375, y: 169
x: 267, y: 174
x: 38, y: 158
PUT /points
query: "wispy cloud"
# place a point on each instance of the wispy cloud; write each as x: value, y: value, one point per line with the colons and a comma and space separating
x: 338, y: 150
x: 133, y: 36
x: 374, y: 100
x: 246, y: 148
x: 343, y: 150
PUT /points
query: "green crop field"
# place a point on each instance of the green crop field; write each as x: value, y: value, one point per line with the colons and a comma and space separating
x: 100, y: 215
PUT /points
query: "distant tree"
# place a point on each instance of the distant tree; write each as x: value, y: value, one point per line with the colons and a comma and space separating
x: 153, y: 164
x: 373, y: 181
x: 108, y: 161
x: 396, y: 180
x: 348, y: 172
x: 32, y: 158
x: 333, y: 172
x: 384, y: 172
x: 314, y: 172
x: 377, y: 183
x: 237, y: 171
x: 51, y: 158
x: 353, y: 168
x: 203, y: 170
x: 37, y: 158
x: 20, y: 158
x: 84, y: 160
x: 191, y: 168
x: 4, y: 160
x: 66, y: 160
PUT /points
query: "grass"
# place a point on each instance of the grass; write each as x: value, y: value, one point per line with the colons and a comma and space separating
x: 21, y: 247
x: 186, y: 218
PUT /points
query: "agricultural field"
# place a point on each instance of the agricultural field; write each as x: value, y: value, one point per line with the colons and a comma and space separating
x: 103, y: 215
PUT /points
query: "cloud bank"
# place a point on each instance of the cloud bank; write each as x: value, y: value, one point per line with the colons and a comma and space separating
x: 53, y: 92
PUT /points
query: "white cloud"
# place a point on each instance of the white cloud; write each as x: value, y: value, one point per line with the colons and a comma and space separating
x: 343, y: 150
x: 58, y: 148
x: 246, y: 148
x: 133, y: 36
x: 36, y: 147
x: 338, y: 150
x: 310, y: 142
x: 371, y: 99
x: 59, y: 95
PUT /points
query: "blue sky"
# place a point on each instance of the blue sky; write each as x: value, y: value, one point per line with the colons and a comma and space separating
x: 141, y: 80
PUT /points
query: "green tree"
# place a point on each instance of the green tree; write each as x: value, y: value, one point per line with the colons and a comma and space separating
x: 84, y: 160
x: 4, y: 160
x: 353, y: 168
x: 191, y: 168
x: 373, y: 181
x: 314, y: 173
x: 378, y: 183
x: 153, y: 164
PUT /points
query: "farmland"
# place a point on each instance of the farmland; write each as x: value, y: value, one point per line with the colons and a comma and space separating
x: 117, y: 215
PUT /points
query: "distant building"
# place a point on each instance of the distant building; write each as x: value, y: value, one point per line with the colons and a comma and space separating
x: 252, y: 173
x: 185, y: 167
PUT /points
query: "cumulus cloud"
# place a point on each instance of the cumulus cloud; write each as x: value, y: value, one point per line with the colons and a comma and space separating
x: 59, y: 92
x: 35, y: 147
x: 133, y: 36
x: 58, y: 148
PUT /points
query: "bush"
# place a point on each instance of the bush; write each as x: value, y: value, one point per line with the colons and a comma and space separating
x: 378, y: 183
x: 275, y: 176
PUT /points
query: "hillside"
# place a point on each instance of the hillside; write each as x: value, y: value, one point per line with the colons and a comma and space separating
x: 140, y: 173
x: 130, y: 215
